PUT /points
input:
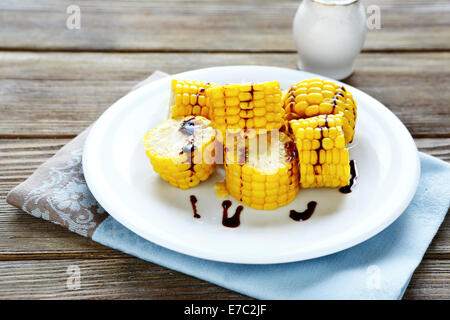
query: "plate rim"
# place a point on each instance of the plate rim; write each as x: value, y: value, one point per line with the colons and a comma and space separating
x: 90, y: 178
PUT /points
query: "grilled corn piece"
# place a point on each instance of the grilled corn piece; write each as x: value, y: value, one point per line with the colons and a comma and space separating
x: 323, y: 158
x: 189, y: 98
x: 314, y: 97
x: 246, y: 106
x: 181, y: 151
x: 263, y: 179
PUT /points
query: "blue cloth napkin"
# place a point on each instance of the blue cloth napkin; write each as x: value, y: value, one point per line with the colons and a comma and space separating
x: 379, y: 268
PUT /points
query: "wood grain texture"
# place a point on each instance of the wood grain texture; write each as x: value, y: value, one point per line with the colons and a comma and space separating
x: 248, y: 25
x: 51, y: 94
x: 430, y: 281
x: 115, y: 278
x: 131, y: 278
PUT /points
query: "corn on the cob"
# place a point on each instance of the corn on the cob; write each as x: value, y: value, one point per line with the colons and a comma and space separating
x: 264, y: 179
x: 315, y: 97
x: 189, y: 98
x: 323, y: 158
x: 181, y: 150
x: 246, y: 106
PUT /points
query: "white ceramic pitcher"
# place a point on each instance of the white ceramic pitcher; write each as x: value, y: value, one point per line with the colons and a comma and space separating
x: 329, y: 34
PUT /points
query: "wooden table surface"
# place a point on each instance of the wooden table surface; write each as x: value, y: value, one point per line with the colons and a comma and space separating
x: 54, y: 82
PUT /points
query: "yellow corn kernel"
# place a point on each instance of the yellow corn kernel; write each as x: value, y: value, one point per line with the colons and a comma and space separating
x: 323, y: 158
x: 188, y: 98
x: 318, y: 97
x: 312, y: 110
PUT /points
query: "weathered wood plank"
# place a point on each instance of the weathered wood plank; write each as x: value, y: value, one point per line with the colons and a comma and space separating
x: 49, y: 94
x: 122, y: 278
x: 439, y: 148
x: 431, y: 280
x: 25, y: 237
x: 247, y: 25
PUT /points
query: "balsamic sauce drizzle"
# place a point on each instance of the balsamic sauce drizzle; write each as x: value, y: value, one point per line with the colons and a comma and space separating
x: 187, y: 128
x: 234, y: 221
x: 353, y: 177
x: 194, y: 206
x: 304, y: 215
x: 291, y: 150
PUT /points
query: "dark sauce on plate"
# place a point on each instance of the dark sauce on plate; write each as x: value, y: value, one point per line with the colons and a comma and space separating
x: 194, y: 206
x: 234, y: 221
x: 353, y: 177
x: 303, y: 215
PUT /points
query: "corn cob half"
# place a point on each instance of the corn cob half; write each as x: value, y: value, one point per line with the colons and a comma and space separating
x: 181, y: 150
x: 189, y: 98
x: 323, y: 158
x: 264, y: 179
x: 246, y: 106
x: 314, y: 97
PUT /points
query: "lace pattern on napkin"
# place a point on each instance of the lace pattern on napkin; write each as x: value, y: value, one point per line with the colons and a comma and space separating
x: 65, y: 199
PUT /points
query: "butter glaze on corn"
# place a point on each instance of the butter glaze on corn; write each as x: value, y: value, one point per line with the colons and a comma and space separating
x: 264, y: 181
x: 189, y: 98
x: 179, y: 156
x: 323, y: 158
x: 314, y: 97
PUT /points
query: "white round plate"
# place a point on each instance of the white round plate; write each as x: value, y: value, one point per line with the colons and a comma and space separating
x: 121, y: 178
